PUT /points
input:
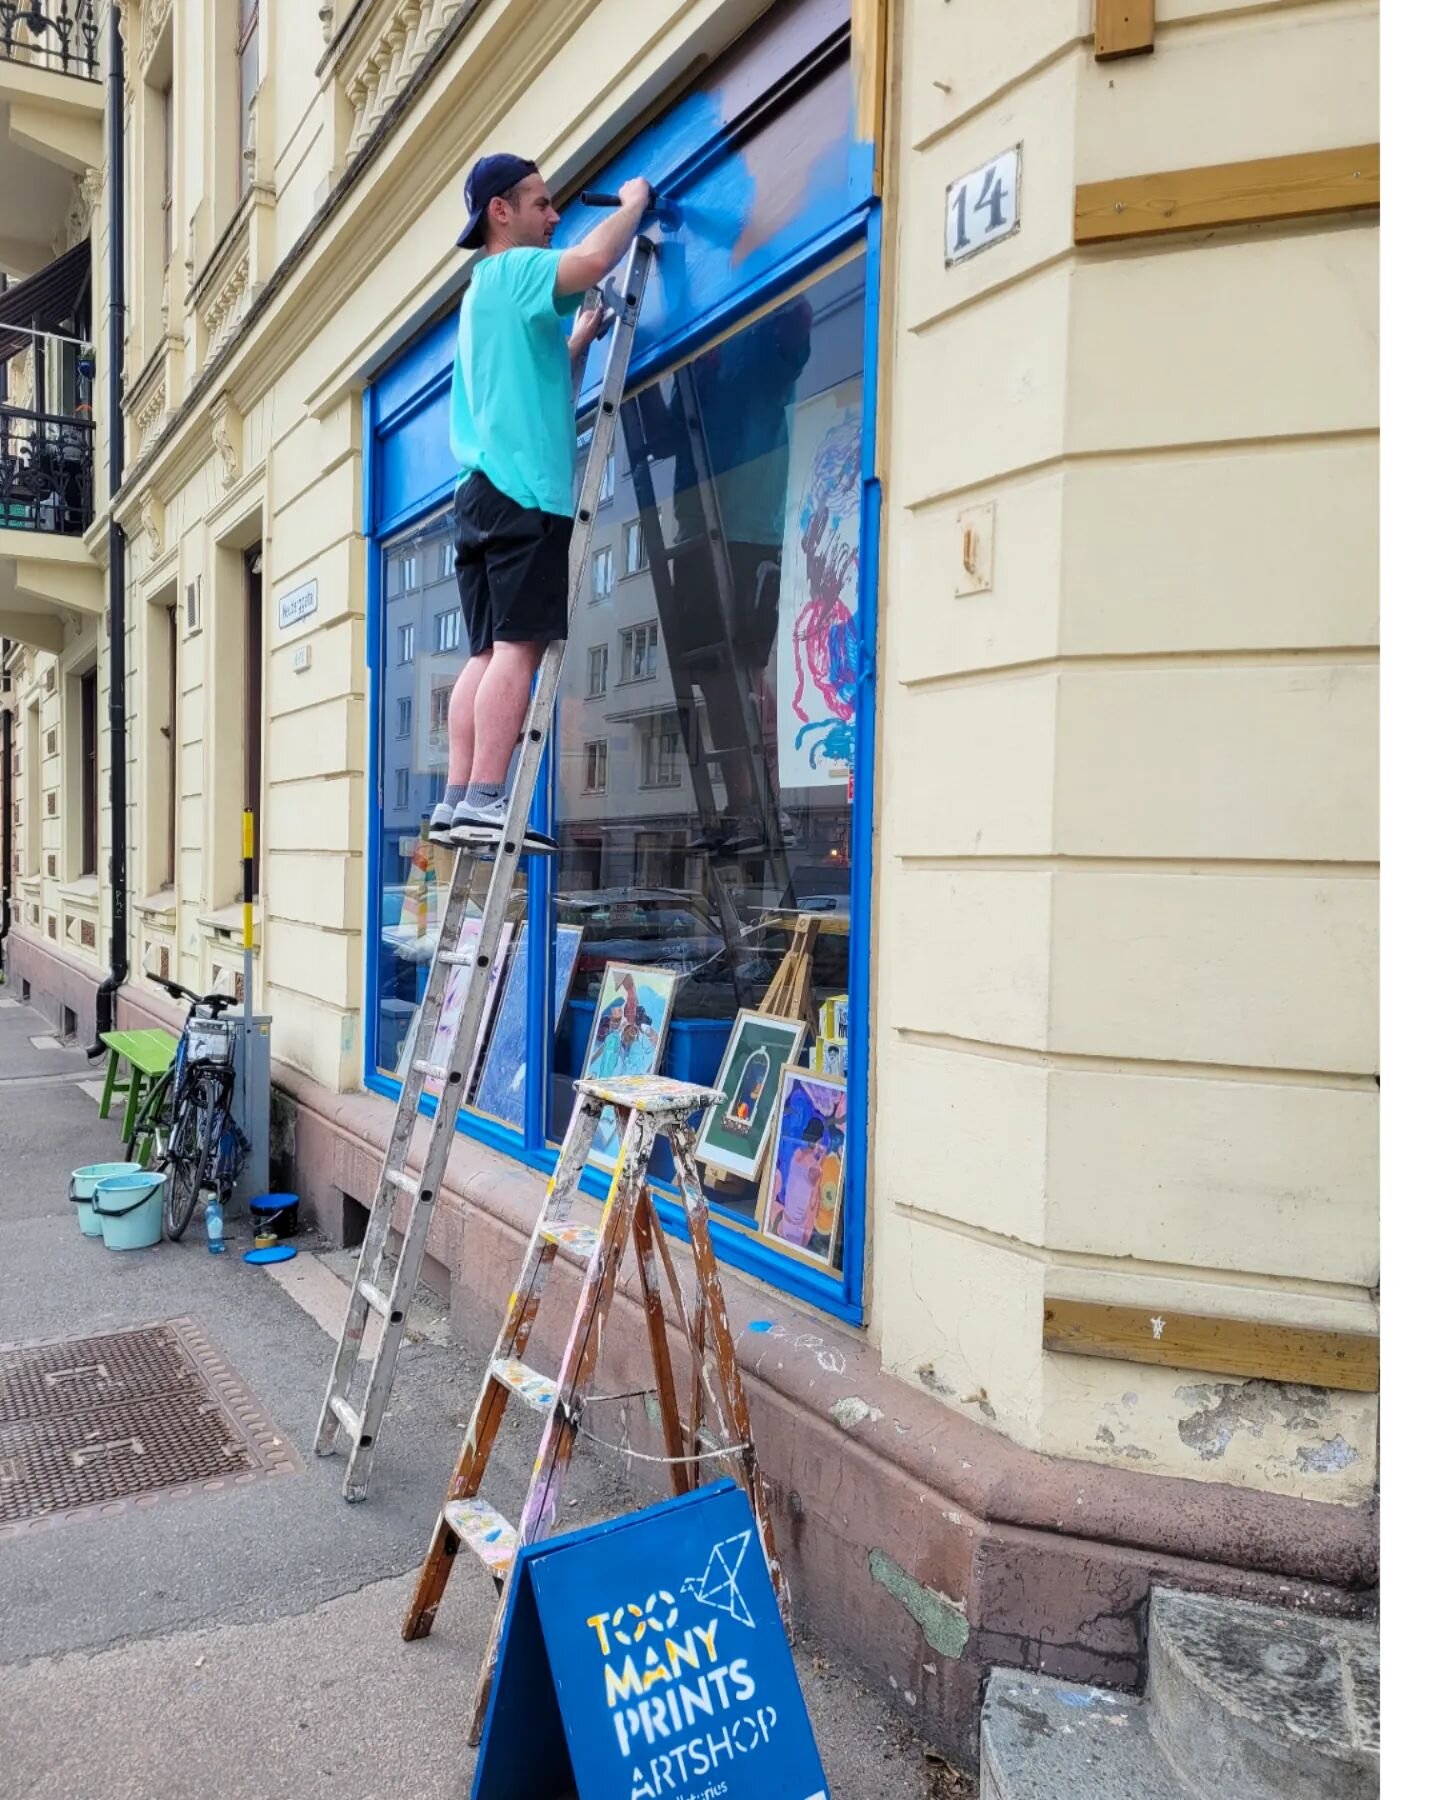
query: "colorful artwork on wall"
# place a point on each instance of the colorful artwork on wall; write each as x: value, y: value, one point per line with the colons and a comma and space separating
x: 500, y: 1090
x: 819, y: 646
x: 734, y: 1136
x: 801, y: 1208
x: 632, y: 1015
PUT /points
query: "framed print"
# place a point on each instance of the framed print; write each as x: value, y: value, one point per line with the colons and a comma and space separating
x: 499, y: 1088
x: 632, y: 1015
x: 806, y: 1181
x: 454, y: 1002
x: 734, y: 1135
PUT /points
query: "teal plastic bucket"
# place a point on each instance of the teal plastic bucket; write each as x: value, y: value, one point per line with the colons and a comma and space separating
x: 130, y: 1207
x: 82, y: 1191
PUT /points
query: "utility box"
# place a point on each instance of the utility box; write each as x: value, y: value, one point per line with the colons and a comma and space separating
x: 252, y: 1102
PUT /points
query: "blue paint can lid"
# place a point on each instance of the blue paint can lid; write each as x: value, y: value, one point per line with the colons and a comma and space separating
x: 272, y: 1253
x: 270, y: 1203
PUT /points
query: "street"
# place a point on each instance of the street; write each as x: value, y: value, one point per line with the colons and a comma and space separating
x: 246, y: 1640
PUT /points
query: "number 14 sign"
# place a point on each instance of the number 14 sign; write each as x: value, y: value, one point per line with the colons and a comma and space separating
x: 982, y: 207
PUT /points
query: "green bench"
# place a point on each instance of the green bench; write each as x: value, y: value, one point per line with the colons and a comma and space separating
x: 148, y: 1055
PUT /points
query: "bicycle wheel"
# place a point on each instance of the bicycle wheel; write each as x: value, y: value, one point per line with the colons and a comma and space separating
x: 152, y: 1124
x: 189, y: 1152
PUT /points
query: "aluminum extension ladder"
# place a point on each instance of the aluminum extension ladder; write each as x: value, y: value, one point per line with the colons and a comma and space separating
x: 360, y: 1416
x: 718, y: 1428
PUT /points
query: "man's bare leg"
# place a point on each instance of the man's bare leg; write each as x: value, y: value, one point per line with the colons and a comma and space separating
x: 462, y: 722
x: 500, y: 704
x: 499, y: 711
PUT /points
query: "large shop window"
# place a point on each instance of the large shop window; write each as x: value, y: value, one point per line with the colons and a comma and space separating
x: 703, y: 800
x: 709, y: 769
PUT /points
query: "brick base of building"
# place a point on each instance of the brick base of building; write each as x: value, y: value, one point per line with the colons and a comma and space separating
x: 58, y: 982
x: 922, y: 1546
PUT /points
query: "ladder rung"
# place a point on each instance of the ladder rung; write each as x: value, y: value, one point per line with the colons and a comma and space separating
x: 375, y: 1298
x: 347, y: 1416
x: 440, y: 1071
x: 458, y: 959
x: 404, y: 1180
x: 481, y: 1529
x: 577, y: 1242
x: 529, y: 1385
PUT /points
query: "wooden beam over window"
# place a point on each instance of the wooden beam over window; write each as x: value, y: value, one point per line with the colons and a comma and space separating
x: 1255, y: 1349
x: 1312, y: 184
x: 868, y: 39
x: 1124, y: 28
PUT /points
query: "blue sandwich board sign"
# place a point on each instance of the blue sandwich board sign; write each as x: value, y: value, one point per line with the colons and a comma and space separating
x: 644, y: 1659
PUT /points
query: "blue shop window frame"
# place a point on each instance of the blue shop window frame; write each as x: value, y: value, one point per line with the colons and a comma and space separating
x: 406, y: 389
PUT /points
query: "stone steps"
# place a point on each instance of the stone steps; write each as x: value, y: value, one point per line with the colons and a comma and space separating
x: 1244, y: 1702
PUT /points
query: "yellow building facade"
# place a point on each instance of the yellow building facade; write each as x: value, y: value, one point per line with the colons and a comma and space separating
x: 1100, y: 779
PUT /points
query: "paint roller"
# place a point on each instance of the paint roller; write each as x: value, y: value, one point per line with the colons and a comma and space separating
x: 666, y: 211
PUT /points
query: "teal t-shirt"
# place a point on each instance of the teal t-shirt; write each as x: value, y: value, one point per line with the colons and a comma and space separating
x: 512, y: 407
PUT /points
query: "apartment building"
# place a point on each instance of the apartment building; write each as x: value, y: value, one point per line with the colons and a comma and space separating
x: 994, y: 497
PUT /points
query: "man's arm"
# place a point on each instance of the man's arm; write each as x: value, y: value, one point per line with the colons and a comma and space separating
x: 587, y: 263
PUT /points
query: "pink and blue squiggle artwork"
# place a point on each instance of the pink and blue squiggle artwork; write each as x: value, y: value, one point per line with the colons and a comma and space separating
x: 821, y: 571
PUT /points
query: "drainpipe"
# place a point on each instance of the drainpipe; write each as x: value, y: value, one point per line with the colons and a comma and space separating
x: 107, y: 994
x: 7, y: 846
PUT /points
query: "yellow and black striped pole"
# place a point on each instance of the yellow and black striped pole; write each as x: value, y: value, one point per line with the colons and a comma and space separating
x: 247, y: 936
x: 247, y: 863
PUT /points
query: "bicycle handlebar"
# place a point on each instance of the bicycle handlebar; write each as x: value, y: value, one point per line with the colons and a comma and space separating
x: 177, y: 991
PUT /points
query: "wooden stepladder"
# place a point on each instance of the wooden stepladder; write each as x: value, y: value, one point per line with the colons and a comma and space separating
x: 718, y: 1425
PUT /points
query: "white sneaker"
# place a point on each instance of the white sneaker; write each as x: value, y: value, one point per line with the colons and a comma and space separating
x: 483, y: 827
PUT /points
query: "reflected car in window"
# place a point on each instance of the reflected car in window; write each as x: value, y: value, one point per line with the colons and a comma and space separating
x: 673, y: 929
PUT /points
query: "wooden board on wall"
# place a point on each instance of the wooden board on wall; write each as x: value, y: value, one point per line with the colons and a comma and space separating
x: 1124, y: 28
x: 868, y: 47
x: 1257, y: 1350
x: 1315, y: 183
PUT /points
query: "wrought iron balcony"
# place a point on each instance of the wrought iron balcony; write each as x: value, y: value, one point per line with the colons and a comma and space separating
x: 61, y: 36
x: 47, y: 472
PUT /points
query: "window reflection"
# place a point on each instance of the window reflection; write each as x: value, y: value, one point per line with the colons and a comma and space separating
x: 708, y: 701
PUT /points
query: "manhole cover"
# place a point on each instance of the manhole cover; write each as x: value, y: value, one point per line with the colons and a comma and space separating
x: 98, y: 1422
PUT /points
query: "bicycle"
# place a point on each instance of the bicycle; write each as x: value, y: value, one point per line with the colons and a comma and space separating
x: 192, y: 1134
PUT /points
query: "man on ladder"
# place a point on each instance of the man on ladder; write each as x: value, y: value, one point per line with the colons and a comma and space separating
x: 519, y: 612
x: 512, y: 429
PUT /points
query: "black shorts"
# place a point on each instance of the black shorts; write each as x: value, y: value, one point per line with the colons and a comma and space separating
x: 513, y: 566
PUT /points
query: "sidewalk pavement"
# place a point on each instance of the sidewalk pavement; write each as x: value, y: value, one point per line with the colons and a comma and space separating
x: 247, y: 1642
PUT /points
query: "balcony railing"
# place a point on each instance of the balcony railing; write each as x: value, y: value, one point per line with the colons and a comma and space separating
x: 47, y: 472
x: 61, y: 36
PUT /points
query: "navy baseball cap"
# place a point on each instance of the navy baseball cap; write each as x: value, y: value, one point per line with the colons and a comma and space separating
x: 491, y: 177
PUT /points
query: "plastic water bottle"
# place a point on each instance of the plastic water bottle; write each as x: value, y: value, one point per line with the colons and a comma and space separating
x: 215, y: 1226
